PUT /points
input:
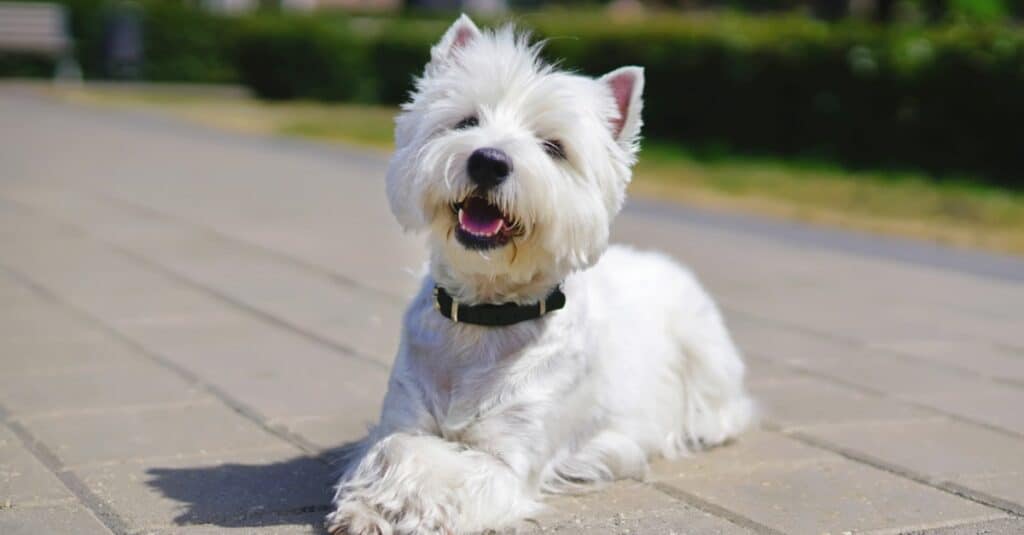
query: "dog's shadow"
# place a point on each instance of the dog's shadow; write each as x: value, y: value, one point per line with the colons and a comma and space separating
x: 295, y: 491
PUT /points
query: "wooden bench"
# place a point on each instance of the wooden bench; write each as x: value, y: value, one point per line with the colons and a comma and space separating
x: 39, y: 29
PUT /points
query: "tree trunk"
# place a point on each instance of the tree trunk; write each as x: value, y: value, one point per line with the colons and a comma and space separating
x: 884, y: 10
x: 936, y: 9
x: 831, y: 9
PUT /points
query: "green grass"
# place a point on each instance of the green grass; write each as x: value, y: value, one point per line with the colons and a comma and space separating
x: 364, y: 125
x: 898, y: 204
x: 907, y: 204
x: 370, y: 126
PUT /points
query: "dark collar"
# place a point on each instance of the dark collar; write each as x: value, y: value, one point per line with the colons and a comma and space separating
x: 495, y: 315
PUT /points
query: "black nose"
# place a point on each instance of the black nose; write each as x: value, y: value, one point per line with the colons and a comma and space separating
x: 488, y: 167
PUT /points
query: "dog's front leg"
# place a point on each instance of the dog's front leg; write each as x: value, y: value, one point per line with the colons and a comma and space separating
x: 423, y: 484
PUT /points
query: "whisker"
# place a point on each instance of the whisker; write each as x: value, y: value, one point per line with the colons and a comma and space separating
x: 447, y: 171
x: 422, y: 149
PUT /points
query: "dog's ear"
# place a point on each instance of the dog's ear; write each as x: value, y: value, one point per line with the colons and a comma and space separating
x: 461, y: 33
x: 627, y: 87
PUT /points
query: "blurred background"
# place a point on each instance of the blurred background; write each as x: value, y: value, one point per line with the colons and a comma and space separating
x: 201, y: 287
x: 899, y: 116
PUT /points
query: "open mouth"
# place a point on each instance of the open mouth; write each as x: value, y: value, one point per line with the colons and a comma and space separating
x: 480, y: 224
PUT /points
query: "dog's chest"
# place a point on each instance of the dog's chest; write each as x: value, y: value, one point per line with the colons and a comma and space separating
x: 466, y: 392
x: 487, y: 380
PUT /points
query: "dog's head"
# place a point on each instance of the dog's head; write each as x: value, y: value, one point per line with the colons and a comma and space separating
x: 515, y: 167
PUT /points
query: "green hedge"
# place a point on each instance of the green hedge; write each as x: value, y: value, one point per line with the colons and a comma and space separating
x: 943, y: 99
x: 285, y: 58
x: 183, y: 44
x: 180, y: 43
x: 17, y: 65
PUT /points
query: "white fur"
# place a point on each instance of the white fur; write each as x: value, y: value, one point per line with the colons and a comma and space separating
x: 479, y: 421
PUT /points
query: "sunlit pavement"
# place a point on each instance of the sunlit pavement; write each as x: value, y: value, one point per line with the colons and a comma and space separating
x: 191, y: 321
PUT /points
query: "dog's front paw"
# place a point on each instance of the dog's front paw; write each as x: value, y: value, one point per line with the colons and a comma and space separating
x: 353, y: 517
x: 388, y: 515
x: 720, y: 424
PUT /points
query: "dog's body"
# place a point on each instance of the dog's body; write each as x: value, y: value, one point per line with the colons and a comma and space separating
x: 478, y: 420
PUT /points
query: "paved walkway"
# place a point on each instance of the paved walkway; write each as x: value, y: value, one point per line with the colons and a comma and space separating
x: 191, y: 321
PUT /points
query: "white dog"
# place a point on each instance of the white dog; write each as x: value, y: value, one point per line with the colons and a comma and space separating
x: 527, y: 366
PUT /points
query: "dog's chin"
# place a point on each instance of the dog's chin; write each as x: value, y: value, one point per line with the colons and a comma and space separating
x: 480, y: 225
x: 477, y: 243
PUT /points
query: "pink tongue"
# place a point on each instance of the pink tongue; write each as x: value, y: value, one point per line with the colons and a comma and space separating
x: 480, y: 217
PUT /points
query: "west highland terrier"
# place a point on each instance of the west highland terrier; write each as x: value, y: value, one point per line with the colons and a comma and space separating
x: 526, y: 365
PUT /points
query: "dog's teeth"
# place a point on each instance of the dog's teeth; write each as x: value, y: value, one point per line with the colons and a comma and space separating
x: 465, y: 227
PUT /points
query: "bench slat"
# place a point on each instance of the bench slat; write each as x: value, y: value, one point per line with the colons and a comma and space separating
x: 36, y: 28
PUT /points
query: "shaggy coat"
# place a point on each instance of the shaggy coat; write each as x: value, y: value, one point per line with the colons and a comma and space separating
x: 478, y: 422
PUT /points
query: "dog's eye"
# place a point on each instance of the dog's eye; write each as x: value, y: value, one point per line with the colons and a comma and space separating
x: 468, y: 122
x: 554, y: 148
